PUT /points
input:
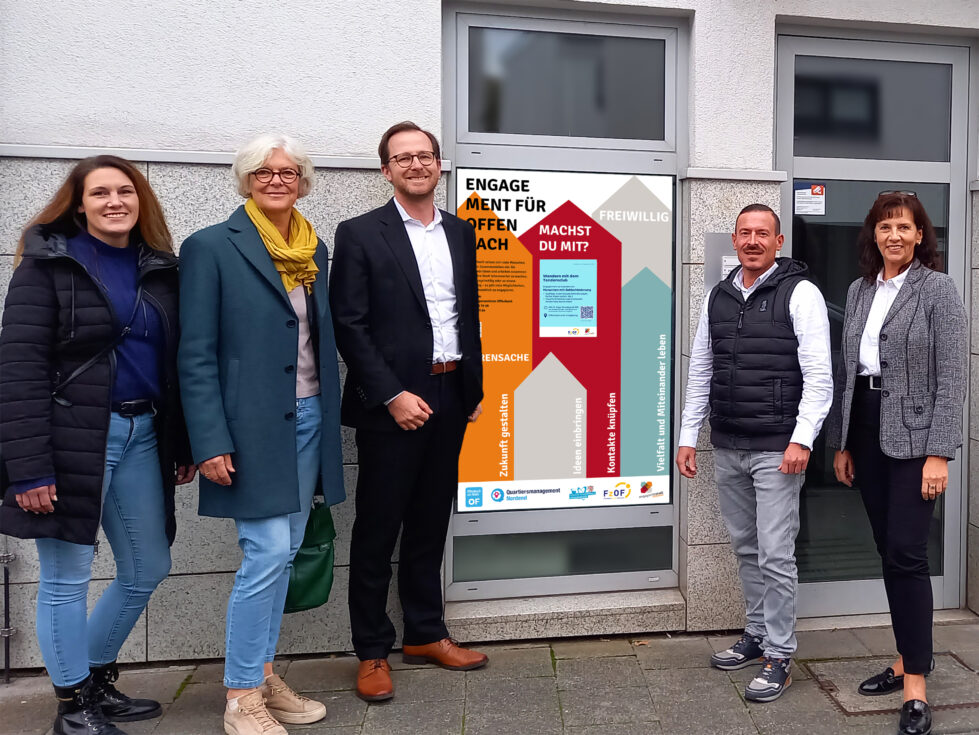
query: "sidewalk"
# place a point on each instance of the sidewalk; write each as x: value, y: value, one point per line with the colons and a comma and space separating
x: 631, y: 685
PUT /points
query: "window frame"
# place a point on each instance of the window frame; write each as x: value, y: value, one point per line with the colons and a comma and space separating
x: 669, y: 35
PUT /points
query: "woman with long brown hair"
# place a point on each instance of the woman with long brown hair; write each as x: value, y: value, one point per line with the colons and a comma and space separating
x: 91, y: 431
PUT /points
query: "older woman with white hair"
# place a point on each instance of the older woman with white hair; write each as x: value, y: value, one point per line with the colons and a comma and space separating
x: 260, y: 389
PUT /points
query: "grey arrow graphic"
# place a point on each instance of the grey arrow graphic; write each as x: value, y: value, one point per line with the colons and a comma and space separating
x: 550, y: 417
x: 644, y: 226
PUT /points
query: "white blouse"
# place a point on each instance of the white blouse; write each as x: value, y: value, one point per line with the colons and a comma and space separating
x: 869, y: 357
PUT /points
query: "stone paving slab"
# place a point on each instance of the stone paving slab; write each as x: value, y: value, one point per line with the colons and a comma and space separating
x: 673, y: 652
x: 829, y: 644
x: 803, y: 704
x: 698, y: 702
x: 624, y: 705
x: 879, y: 641
x: 513, y: 721
x: 419, y: 718
x: 591, y: 647
x: 323, y: 674
x: 599, y: 674
x: 645, y: 728
x: 486, y: 696
x: 608, y: 686
x: 515, y: 663
x: 951, y: 684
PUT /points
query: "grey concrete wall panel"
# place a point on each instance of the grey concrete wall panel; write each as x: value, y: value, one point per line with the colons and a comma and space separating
x: 713, y: 591
x: 195, y: 196
x: 24, y: 649
x: 6, y: 272
x: 714, y: 206
x: 203, y: 545
x: 26, y: 185
x: 544, y: 411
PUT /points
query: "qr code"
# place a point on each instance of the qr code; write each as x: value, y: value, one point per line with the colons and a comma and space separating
x: 587, y: 312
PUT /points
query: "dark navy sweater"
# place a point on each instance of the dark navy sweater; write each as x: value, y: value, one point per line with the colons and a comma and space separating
x: 116, y: 272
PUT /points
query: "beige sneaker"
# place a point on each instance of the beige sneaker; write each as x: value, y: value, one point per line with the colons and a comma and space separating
x: 247, y: 715
x: 287, y: 706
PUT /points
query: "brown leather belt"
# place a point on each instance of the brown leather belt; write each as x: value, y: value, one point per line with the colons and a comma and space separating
x: 444, y: 367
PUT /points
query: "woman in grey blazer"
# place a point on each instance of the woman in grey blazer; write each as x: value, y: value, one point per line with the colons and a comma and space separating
x: 897, y: 420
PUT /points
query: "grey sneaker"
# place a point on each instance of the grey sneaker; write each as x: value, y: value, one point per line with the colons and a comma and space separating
x: 746, y: 652
x: 772, y: 680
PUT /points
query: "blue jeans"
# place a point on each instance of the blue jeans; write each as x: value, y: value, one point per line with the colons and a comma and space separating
x: 134, y: 521
x: 269, y: 546
x: 760, y: 507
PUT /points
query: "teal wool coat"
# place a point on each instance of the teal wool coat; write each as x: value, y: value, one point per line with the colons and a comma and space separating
x: 237, y: 364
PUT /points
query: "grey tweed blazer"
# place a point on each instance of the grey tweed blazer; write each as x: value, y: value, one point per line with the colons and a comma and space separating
x: 923, y: 345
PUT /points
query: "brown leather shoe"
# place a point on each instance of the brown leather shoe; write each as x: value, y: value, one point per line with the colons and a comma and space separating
x: 446, y: 653
x: 374, y: 680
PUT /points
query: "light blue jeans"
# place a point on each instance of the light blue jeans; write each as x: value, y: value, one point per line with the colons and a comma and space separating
x: 134, y: 521
x: 760, y: 507
x: 269, y: 546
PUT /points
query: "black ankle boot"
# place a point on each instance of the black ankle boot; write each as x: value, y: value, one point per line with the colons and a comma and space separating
x: 79, y: 712
x: 116, y: 706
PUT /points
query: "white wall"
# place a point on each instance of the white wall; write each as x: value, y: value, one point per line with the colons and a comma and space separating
x: 194, y: 75
x: 205, y: 75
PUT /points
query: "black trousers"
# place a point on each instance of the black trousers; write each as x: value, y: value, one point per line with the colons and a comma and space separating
x: 407, y: 483
x: 900, y: 518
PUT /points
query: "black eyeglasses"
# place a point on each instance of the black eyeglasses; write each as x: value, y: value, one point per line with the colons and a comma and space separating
x: 286, y: 175
x: 895, y: 191
x: 425, y: 158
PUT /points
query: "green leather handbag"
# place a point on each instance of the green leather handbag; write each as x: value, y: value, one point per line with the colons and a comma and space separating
x: 311, y: 578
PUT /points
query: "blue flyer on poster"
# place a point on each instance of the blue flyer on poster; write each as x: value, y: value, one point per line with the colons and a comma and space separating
x: 568, y: 295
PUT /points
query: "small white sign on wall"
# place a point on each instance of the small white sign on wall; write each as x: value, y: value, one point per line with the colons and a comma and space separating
x: 811, y: 199
x: 728, y: 264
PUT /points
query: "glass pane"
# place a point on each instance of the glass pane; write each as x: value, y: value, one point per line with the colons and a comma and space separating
x: 835, y: 541
x: 866, y: 108
x: 567, y: 84
x: 561, y: 553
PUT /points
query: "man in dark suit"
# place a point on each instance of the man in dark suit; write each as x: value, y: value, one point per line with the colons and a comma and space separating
x: 406, y: 312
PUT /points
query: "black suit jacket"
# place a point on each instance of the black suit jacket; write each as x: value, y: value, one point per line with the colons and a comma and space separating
x: 383, y: 330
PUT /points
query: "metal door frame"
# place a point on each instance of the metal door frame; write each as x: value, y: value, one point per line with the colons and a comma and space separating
x: 867, y: 596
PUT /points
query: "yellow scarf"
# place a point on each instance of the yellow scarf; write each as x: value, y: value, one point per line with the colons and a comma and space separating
x: 294, y: 259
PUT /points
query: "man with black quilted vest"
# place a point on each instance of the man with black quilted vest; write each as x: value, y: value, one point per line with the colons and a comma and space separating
x: 760, y: 367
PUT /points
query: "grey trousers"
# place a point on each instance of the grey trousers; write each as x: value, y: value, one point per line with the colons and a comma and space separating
x: 760, y: 507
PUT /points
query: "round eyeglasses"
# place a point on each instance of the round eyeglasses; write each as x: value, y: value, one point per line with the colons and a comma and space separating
x: 286, y: 175
x: 425, y: 158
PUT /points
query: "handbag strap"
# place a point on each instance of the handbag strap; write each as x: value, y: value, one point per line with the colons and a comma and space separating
x: 100, y: 354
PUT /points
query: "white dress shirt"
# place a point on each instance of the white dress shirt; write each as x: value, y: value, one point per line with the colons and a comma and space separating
x: 869, y: 357
x: 807, y: 311
x: 435, y: 267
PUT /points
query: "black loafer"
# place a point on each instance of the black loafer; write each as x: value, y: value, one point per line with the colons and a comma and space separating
x: 915, y: 718
x: 885, y: 682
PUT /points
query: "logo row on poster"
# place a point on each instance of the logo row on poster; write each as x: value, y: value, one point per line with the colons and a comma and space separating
x: 564, y: 493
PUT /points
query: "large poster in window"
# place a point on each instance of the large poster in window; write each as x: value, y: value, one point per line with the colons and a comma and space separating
x: 576, y: 316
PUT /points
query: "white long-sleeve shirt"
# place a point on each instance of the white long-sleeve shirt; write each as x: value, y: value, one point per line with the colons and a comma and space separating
x: 807, y: 311
x: 431, y: 248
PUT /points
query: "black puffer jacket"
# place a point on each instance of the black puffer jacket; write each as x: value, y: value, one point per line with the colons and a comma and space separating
x: 55, y: 319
